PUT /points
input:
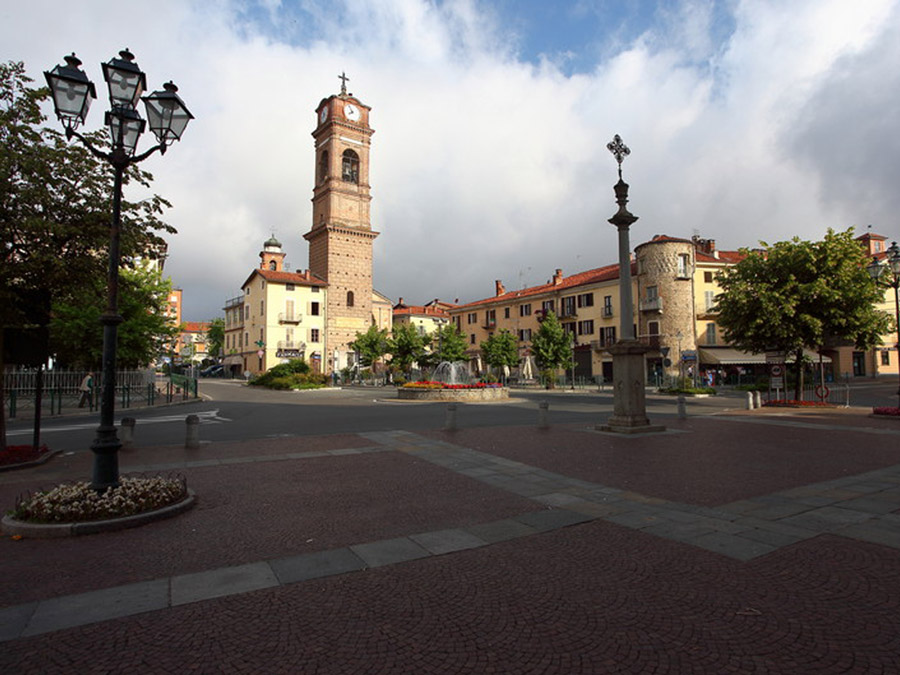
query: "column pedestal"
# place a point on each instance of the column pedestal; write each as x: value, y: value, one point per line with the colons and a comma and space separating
x: 629, y: 400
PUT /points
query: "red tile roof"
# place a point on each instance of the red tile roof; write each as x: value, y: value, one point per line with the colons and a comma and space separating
x: 410, y: 310
x: 580, y: 279
x: 196, y: 326
x: 304, y: 278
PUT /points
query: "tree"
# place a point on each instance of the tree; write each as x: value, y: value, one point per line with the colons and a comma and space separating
x: 501, y: 349
x: 447, y: 344
x: 76, y: 335
x: 371, y: 345
x: 215, y: 338
x: 406, y: 346
x: 799, y: 294
x: 55, y: 208
x: 551, y: 347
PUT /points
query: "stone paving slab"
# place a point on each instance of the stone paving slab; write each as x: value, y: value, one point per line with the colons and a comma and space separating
x: 447, y: 541
x: 112, y: 603
x: 389, y: 551
x: 188, y: 588
x: 316, y: 565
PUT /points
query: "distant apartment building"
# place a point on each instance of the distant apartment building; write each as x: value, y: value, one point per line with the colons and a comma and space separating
x: 425, y: 318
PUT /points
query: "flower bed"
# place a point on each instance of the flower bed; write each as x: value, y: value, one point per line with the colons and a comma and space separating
x: 887, y: 411
x: 79, y: 503
x: 428, y: 384
x: 22, y: 454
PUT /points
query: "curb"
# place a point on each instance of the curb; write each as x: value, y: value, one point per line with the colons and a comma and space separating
x: 10, y: 525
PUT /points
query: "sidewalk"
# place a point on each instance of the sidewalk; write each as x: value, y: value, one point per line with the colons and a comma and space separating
x: 749, y: 543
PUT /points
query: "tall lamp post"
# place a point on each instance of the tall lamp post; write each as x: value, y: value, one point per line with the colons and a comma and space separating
x: 889, y: 275
x: 168, y: 116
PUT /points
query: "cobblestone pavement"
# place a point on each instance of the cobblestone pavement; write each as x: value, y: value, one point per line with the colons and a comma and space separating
x: 749, y: 544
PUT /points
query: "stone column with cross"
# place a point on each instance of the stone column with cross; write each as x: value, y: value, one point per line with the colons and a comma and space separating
x: 629, y: 369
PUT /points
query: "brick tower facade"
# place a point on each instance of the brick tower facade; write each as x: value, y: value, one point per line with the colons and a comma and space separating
x: 340, y: 240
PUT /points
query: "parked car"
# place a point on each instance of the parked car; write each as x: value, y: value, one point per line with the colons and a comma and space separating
x: 212, y: 371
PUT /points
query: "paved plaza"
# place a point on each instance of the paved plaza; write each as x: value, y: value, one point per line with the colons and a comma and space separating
x: 746, y: 542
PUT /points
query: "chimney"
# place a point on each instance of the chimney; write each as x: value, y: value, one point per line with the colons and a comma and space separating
x: 400, y: 302
x: 498, y: 287
x: 558, y: 277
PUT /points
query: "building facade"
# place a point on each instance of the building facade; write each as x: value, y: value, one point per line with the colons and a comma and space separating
x: 674, y: 287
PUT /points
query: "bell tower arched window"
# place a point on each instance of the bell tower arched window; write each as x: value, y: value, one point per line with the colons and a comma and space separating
x: 350, y: 167
x: 349, y: 298
x: 273, y: 265
x: 322, y: 171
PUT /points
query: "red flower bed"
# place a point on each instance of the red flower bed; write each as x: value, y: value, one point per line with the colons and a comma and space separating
x: 887, y: 410
x: 428, y: 384
x: 782, y: 403
x: 19, y: 454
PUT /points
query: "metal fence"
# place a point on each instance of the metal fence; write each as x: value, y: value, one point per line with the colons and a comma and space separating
x: 62, y: 389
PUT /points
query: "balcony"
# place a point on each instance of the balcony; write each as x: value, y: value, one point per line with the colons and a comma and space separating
x: 652, y: 305
x: 607, y: 311
x: 651, y: 341
x: 290, y: 349
x: 289, y: 317
x: 489, y: 324
x: 234, y: 302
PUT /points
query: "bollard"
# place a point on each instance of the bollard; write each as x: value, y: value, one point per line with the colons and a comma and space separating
x: 127, y: 432
x: 450, y: 424
x: 750, y: 402
x: 192, y: 437
x: 543, y: 421
x: 757, y: 399
x: 682, y: 411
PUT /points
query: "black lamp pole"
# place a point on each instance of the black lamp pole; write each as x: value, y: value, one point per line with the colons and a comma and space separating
x: 889, y: 275
x: 72, y: 93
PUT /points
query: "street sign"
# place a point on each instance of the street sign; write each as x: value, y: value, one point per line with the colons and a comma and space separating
x: 664, y: 351
x: 776, y: 376
x: 689, y: 355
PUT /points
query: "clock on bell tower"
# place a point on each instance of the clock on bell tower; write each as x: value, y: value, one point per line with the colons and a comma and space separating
x: 341, y: 236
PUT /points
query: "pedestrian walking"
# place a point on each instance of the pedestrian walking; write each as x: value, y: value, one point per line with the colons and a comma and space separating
x: 85, y: 388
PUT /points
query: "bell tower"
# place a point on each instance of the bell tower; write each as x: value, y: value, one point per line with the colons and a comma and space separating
x: 341, y: 236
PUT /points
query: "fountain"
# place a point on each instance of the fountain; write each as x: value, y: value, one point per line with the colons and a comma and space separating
x: 449, y: 381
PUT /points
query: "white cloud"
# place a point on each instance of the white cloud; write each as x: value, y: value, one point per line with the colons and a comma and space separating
x: 486, y: 166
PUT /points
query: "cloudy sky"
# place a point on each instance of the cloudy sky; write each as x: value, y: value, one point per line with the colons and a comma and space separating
x: 747, y: 120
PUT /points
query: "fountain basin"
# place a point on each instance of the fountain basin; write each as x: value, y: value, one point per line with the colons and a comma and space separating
x: 473, y: 394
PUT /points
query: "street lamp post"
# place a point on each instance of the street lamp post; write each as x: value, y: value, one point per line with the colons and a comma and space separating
x: 888, y: 273
x: 72, y: 93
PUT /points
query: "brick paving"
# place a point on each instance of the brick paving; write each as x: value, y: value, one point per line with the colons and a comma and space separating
x: 723, y: 546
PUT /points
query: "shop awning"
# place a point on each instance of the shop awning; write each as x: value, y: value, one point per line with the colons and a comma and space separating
x: 726, y: 356
x: 233, y: 360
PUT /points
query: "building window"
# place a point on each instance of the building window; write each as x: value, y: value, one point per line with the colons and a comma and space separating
x: 323, y: 167
x: 569, y: 327
x: 710, y: 333
x: 246, y: 312
x: 684, y: 262
x: 587, y: 300
x: 262, y: 307
x: 472, y: 339
x: 709, y: 298
x: 525, y: 335
x: 490, y: 317
x: 708, y: 277
x: 472, y: 317
x: 586, y: 327
x: 652, y: 293
x: 653, y: 327
x: 273, y: 265
x: 313, y: 334
x: 885, y: 357
x: 261, y: 340
x: 246, y: 339
x: 350, y: 167
x: 608, y: 336
x: 315, y: 289
x: 525, y: 310
x: 314, y: 309
x: 568, y: 306
x: 349, y: 298
x: 506, y: 312
x: 289, y: 287
x: 607, y: 306
x: 547, y: 306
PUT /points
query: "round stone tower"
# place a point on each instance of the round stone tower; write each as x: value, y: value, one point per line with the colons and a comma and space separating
x: 665, y: 320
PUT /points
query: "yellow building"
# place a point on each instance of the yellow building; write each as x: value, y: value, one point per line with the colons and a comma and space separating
x: 425, y: 318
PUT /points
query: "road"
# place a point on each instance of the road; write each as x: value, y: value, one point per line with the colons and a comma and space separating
x: 230, y: 411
